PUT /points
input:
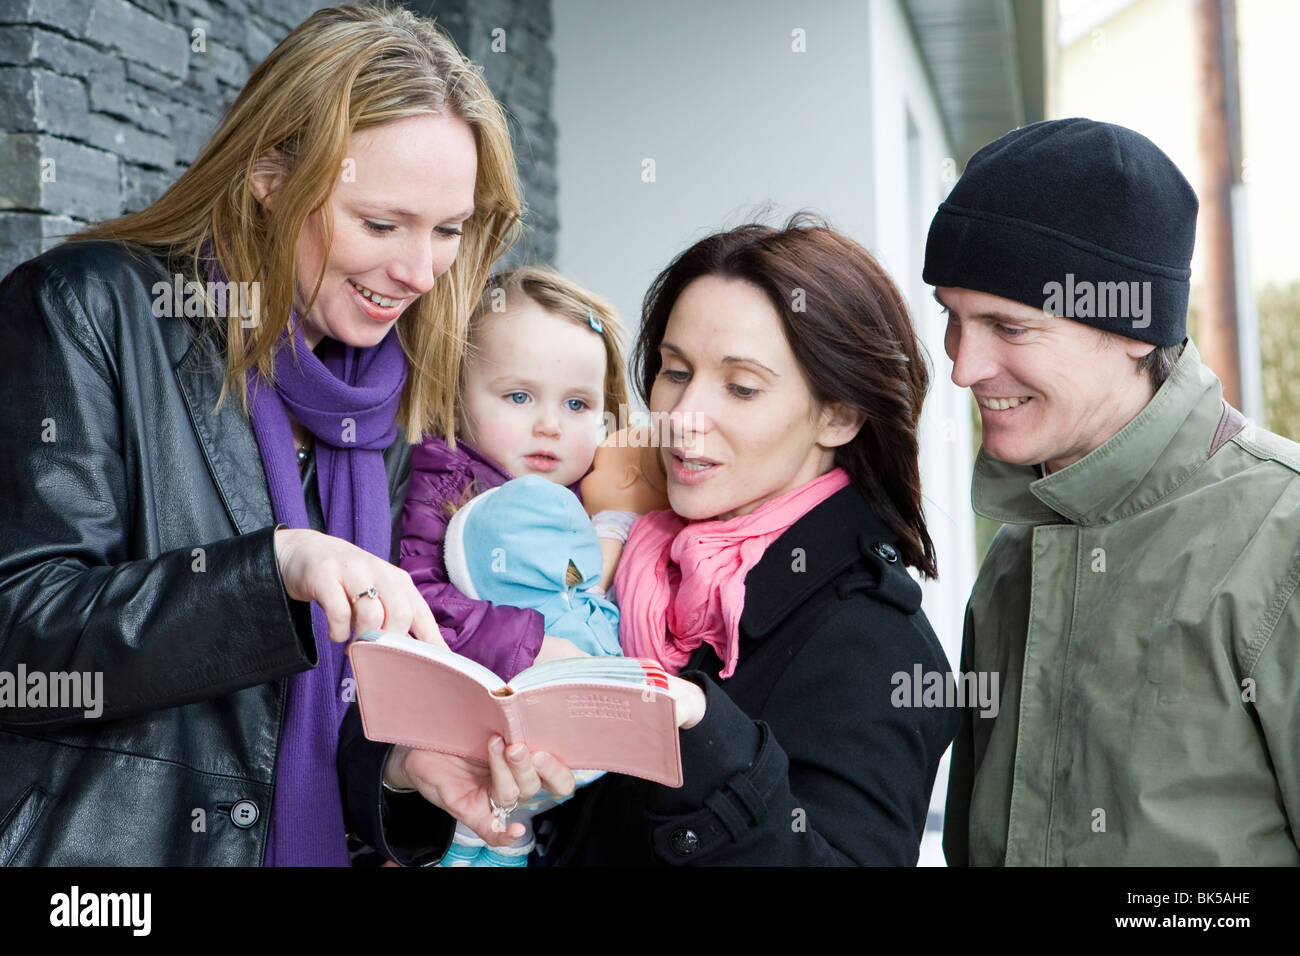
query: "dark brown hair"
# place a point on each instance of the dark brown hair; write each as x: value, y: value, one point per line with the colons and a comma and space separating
x: 850, y: 332
x: 1160, y: 362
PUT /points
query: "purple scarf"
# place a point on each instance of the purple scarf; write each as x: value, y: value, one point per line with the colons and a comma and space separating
x: 348, y: 400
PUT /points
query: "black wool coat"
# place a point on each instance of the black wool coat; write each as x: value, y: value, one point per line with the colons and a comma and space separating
x: 801, y: 757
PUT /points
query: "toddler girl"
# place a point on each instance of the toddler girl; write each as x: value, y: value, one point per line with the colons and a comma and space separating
x: 542, y: 364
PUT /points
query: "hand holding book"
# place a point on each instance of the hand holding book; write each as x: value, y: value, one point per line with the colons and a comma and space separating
x: 462, y: 787
x: 691, y: 702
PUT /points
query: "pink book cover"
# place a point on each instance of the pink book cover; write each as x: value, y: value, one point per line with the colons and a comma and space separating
x: 592, y: 713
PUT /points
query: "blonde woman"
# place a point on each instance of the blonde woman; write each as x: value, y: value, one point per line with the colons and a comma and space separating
x: 211, y: 404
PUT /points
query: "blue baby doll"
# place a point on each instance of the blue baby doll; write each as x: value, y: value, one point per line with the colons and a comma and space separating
x: 529, y: 543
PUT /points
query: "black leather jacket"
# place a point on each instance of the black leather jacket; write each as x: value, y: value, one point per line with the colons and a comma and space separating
x: 136, y: 542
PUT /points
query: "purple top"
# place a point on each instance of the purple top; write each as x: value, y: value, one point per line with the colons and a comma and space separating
x: 502, y: 638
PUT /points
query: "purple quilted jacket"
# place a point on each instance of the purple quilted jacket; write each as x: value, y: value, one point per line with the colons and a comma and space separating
x: 503, y: 638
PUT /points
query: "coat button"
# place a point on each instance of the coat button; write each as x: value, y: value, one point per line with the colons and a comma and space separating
x: 684, y: 842
x: 885, y: 551
x: 244, y: 814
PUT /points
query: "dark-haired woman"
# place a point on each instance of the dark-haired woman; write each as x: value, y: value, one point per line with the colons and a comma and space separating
x: 791, y: 379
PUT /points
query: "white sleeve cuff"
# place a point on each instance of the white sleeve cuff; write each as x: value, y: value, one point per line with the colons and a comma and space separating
x: 614, y: 524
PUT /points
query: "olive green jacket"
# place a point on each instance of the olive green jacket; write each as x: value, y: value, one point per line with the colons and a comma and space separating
x: 1140, y: 610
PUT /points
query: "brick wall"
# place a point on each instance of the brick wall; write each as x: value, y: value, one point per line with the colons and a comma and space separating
x: 104, y: 102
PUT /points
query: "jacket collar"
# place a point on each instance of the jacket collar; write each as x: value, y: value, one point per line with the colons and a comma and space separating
x: 838, y: 533
x: 226, y: 436
x: 1139, y: 466
x: 435, y: 456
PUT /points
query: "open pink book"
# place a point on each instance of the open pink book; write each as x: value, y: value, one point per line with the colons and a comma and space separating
x: 593, y: 713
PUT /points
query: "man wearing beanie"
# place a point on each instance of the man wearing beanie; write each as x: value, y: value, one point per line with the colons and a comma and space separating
x: 1140, y: 604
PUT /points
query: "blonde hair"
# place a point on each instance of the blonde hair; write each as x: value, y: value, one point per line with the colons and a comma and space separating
x: 342, y: 70
x: 565, y: 298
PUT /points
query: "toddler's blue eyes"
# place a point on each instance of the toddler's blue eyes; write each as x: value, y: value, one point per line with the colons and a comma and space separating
x: 522, y: 398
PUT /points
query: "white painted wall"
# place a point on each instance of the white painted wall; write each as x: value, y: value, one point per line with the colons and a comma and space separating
x: 909, y: 184
x: 734, y: 118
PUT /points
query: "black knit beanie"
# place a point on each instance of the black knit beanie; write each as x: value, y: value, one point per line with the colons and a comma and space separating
x: 1084, y: 220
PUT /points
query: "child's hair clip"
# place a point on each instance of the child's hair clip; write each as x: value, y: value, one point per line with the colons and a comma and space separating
x: 595, y: 322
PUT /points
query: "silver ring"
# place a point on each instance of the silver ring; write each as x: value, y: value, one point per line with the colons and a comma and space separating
x: 502, y: 812
x: 370, y: 592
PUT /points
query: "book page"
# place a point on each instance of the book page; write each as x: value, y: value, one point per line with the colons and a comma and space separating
x: 471, y: 669
x: 586, y: 670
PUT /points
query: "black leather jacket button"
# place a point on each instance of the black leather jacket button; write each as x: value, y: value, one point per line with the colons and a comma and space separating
x: 244, y: 814
x: 684, y: 842
x: 885, y: 551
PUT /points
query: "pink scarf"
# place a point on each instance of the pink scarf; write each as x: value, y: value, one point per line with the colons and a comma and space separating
x: 681, y: 584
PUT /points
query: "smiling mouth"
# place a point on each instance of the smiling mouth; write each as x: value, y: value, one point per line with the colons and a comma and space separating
x: 380, y: 300
x: 1001, y: 404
